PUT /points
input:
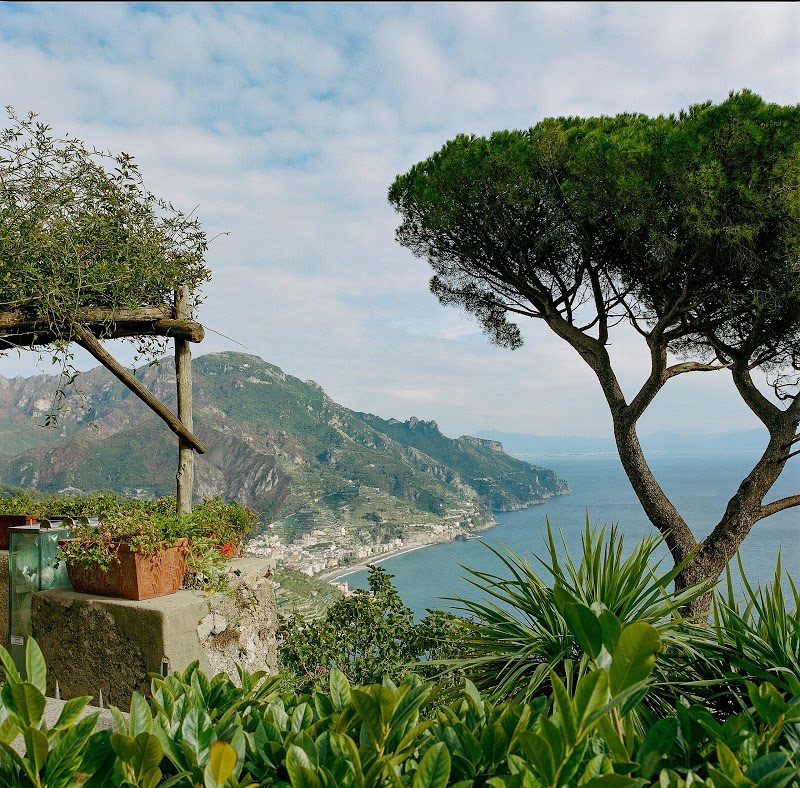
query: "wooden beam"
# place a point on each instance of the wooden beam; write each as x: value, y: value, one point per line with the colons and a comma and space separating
x: 37, y: 332
x: 183, y: 381
x: 89, y: 341
x: 14, y: 318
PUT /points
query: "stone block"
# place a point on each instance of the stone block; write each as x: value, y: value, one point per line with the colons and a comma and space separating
x: 93, y: 643
x: 240, y: 625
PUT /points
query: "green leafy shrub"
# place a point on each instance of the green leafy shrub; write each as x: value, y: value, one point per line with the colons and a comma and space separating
x: 200, y: 731
x: 367, y: 635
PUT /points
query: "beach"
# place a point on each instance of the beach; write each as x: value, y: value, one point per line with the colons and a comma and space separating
x: 343, y: 571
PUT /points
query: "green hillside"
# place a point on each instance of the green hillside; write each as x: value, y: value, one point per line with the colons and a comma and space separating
x: 502, y: 482
x: 278, y: 444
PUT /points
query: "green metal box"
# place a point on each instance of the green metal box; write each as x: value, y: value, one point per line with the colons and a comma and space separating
x: 33, y: 566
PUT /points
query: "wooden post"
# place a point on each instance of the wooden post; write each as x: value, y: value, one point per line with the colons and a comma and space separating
x: 183, y: 377
x: 86, y: 339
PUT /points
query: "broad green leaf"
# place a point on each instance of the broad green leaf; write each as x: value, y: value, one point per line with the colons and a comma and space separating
x: 148, y: 753
x: 299, y: 768
x: 434, y: 768
x: 340, y: 689
x: 612, y: 739
x: 591, y: 695
x: 767, y: 764
x: 369, y: 713
x: 768, y: 702
x: 35, y: 666
x: 596, y: 766
x: 9, y: 729
x: 71, y: 711
x: 778, y: 778
x: 658, y: 742
x: 573, y: 762
x: 302, y: 717
x: 494, y: 743
x: 721, y: 780
x: 198, y: 733
x: 538, y: 751
x: 515, y: 718
x: 306, y: 743
x: 27, y: 703
x: 81, y: 749
x: 472, y: 693
x: 585, y: 626
x: 565, y: 709
x: 562, y: 597
x: 612, y: 629
x: 634, y: 655
x: 555, y: 738
x: 153, y: 780
x: 388, y: 700
x: 124, y: 746
x: 140, y: 718
x: 37, y: 746
x: 119, y: 720
x: 221, y: 762
x: 731, y: 767
x: 9, y: 667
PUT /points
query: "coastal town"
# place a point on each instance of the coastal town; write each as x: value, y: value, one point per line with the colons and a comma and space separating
x: 322, y: 550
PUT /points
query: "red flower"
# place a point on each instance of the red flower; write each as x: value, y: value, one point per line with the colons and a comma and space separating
x: 228, y: 549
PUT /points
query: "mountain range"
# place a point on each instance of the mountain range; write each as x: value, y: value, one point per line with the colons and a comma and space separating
x: 525, y: 446
x: 275, y: 443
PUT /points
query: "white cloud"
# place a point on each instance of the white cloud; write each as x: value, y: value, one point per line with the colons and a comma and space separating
x: 286, y: 123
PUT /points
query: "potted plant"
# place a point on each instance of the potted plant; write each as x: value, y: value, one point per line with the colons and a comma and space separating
x: 15, y: 511
x: 134, y: 554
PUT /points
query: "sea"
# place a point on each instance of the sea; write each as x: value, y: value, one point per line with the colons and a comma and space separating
x: 699, y: 483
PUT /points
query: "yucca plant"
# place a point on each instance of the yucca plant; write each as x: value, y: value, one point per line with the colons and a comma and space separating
x: 516, y: 635
x: 757, y: 638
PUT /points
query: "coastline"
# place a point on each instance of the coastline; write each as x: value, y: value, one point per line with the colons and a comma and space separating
x: 343, y: 571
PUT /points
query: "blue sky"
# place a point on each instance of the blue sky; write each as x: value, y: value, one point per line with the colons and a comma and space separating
x: 284, y: 124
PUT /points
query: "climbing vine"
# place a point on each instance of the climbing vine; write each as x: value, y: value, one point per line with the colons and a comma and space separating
x: 78, y: 229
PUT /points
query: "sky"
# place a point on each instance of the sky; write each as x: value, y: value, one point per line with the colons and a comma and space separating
x: 282, y: 125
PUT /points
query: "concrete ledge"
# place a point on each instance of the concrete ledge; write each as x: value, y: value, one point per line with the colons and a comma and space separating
x: 93, y: 643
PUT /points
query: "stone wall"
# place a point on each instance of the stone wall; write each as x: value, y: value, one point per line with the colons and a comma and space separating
x: 93, y: 643
x: 240, y: 626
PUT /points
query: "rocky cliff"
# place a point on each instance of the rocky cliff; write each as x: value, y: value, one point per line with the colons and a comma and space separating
x: 275, y: 443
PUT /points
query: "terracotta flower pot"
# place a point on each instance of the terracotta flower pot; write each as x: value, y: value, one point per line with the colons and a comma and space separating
x: 13, y: 521
x: 134, y: 575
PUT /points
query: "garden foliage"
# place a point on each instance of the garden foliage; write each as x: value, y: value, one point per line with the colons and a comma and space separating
x: 196, y: 731
x: 594, y: 725
x: 216, y: 529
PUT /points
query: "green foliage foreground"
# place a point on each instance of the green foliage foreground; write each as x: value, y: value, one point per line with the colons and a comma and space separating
x: 196, y: 731
x: 590, y: 721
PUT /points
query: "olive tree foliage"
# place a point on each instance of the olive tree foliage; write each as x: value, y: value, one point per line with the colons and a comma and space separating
x: 78, y: 229
x: 685, y: 227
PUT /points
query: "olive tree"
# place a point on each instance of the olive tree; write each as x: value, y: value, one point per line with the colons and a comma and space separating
x: 685, y: 227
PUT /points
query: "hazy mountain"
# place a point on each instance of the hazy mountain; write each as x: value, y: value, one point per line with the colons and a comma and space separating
x: 521, y: 445
x: 275, y: 443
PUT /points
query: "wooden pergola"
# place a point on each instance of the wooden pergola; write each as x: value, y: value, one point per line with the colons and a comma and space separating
x: 22, y: 329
